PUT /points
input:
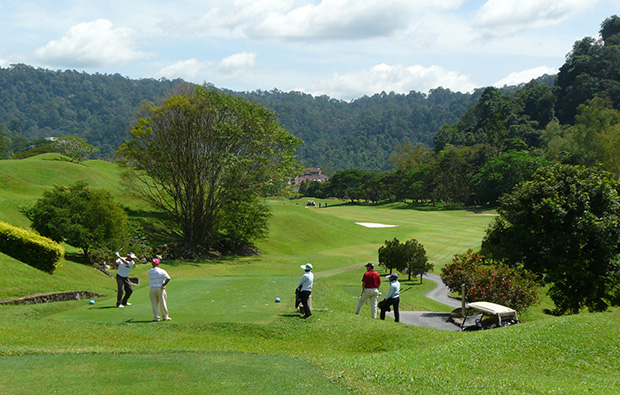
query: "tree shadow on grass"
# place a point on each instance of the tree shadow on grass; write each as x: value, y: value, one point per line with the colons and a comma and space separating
x: 76, y: 257
x: 228, y: 259
x: 132, y: 321
x: 155, y: 224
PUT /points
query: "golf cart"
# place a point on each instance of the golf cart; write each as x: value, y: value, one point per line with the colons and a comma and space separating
x: 486, y: 315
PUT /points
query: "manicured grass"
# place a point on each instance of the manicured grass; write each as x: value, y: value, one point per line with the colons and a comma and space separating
x: 229, y: 336
x: 169, y: 372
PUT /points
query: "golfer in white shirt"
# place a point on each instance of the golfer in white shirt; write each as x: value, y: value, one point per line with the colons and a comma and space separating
x: 159, y: 278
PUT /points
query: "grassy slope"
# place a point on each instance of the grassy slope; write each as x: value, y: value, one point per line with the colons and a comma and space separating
x: 228, y: 336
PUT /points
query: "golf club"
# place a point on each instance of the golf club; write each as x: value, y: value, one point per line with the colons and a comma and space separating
x: 121, y: 249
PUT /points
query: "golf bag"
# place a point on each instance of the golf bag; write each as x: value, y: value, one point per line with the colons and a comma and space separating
x: 297, y: 298
x: 383, y: 305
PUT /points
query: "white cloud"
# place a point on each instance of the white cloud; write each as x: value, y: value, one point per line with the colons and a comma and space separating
x: 525, y: 76
x: 309, y: 20
x: 90, y: 44
x: 397, y: 78
x: 191, y: 70
x: 507, y: 17
x: 236, y: 65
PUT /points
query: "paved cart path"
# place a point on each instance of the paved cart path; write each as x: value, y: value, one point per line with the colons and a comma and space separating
x: 429, y: 319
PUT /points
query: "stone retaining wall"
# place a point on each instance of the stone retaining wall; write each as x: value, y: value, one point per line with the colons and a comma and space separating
x: 53, y: 297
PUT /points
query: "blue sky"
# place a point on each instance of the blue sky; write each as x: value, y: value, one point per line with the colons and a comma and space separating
x: 341, y: 48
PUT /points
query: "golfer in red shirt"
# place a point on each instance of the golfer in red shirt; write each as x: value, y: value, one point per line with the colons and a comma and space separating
x: 370, y: 290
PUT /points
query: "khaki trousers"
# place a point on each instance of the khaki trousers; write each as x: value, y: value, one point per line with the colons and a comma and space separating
x: 158, y: 301
x: 370, y: 295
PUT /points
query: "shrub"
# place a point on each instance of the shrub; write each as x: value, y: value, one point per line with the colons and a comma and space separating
x: 492, y: 282
x: 80, y: 216
x: 31, y: 248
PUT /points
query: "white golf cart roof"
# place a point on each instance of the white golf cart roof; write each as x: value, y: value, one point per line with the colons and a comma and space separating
x: 497, y: 310
x: 492, y: 308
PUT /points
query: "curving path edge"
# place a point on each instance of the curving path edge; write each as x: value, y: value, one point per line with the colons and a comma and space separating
x: 430, y: 319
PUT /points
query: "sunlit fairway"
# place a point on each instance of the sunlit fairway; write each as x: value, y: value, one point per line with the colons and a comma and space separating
x: 228, y: 336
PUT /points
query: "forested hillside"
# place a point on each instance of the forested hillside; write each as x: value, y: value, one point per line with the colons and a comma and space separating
x: 364, y: 133
x: 337, y: 135
x: 39, y: 103
x: 507, y: 135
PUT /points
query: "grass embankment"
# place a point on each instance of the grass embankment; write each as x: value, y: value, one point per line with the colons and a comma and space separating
x: 228, y: 336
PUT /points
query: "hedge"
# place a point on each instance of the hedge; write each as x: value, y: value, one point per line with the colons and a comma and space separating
x: 30, y: 247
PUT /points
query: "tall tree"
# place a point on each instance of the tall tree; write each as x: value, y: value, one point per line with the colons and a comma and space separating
x: 391, y: 255
x: 565, y: 226
x: 590, y: 68
x: 416, y: 261
x: 203, y: 157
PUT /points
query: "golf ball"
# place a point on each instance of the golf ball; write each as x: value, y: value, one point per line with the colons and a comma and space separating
x: 91, y: 302
x: 277, y: 300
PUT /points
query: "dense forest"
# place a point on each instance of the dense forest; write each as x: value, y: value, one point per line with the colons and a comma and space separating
x: 507, y: 135
x: 39, y: 103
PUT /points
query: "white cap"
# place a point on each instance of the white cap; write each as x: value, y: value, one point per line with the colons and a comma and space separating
x: 306, y: 267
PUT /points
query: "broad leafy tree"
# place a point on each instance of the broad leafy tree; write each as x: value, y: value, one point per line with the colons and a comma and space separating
x: 416, y: 261
x: 500, y: 174
x: 347, y: 184
x: 80, y: 216
x: 76, y: 148
x: 408, y: 257
x: 203, y: 157
x: 591, y: 67
x: 488, y: 281
x: 391, y: 255
x: 564, y: 225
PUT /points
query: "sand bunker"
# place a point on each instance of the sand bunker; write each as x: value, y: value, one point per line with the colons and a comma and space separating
x: 375, y: 225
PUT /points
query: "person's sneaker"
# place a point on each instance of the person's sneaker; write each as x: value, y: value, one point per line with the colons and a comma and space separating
x: 156, y: 320
x: 127, y: 304
x: 120, y: 306
x: 167, y: 319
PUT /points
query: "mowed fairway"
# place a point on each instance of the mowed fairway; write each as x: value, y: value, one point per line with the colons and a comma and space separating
x: 228, y: 336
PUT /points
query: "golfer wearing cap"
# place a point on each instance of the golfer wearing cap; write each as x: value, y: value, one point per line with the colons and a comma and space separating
x: 370, y: 290
x: 304, y: 288
x: 392, y: 298
x: 122, y: 279
x: 158, y: 278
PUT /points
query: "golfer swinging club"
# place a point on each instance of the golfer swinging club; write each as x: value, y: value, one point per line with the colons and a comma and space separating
x: 370, y: 290
x: 122, y: 279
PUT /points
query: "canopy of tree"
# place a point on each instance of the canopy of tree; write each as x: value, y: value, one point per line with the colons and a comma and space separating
x: 80, y: 216
x: 204, y: 158
x: 565, y: 226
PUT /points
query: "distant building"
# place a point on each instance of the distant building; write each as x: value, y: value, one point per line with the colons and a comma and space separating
x: 312, y: 174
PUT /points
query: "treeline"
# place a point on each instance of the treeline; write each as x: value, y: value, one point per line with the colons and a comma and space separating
x: 506, y: 136
x: 364, y: 133
x: 336, y: 135
x: 39, y: 103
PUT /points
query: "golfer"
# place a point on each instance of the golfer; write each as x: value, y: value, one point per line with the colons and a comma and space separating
x: 158, y: 278
x: 122, y: 279
x: 392, y: 298
x: 370, y: 290
x: 304, y: 288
